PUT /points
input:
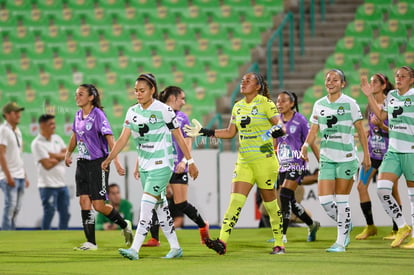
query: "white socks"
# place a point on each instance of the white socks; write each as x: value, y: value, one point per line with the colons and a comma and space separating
x: 329, y: 205
x: 384, y: 191
x: 344, y: 218
x: 337, y: 208
x: 167, y: 223
x: 147, y: 204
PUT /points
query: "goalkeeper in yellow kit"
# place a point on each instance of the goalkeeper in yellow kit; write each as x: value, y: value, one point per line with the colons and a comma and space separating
x: 253, y: 118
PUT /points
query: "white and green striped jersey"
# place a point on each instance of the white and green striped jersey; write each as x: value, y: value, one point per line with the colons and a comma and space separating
x: 336, y: 125
x: 400, y: 109
x: 151, y: 131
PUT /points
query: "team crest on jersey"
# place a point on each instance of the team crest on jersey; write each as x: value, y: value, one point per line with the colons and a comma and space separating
x: 88, y: 126
x: 254, y: 111
x: 152, y: 119
x: 340, y: 110
x: 407, y: 102
x: 292, y: 129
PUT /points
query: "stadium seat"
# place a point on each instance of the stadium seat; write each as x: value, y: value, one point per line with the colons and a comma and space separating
x: 403, y: 12
x: 260, y: 17
x: 215, y: 34
x: 273, y: 6
x: 383, y: 5
x: 249, y: 34
x: 360, y: 31
x: 386, y: 47
x: 373, y: 63
x: 239, y: 51
x: 203, y: 51
x: 206, y: 6
x: 339, y: 61
x: 227, y: 68
x: 395, y: 30
x: 194, y: 19
x: 350, y: 48
x: 226, y: 17
x: 371, y: 15
x: 183, y: 36
x: 48, y: 8
x: 175, y: 7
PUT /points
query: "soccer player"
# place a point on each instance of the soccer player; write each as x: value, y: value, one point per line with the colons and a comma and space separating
x: 336, y: 116
x: 377, y: 145
x: 398, y: 108
x: 151, y: 123
x: 292, y: 166
x: 251, y: 117
x: 175, y: 98
x: 92, y: 135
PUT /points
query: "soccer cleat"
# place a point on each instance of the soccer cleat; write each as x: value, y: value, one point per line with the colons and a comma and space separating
x: 174, y: 253
x: 312, y: 231
x: 217, y: 245
x: 153, y: 242
x: 204, y: 233
x: 401, y: 235
x: 336, y: 248
x: 278, y: 250
x: 409, y: 245
x: 391, y: 236
x: 129, y: 253
x: 127, y: 232
x: 284, y: 239
x: 369, y: 230
x: 348, y: 236
x: 86, y: 246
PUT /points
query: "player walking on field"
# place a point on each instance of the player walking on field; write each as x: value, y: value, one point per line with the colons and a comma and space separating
x: 336, y: 116
x: 251, y: 117
x: 399, y: 159
x: 377, y: 145
x: 92, y: 135
x: 151, y: 123
x: 292, y: 166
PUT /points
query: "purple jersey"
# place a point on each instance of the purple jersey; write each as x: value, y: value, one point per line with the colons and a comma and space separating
x: 182, y: 120
x: 90, y: 134
x: 289, y: 145
x: 377, y: 139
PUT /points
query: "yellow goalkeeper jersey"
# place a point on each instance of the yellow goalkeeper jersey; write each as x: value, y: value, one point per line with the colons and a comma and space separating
x: 252, y: 121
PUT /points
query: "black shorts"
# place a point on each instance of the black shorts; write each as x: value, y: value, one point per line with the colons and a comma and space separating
x: 375, y: 163
x: 179, y: 178
x: 91, y: 180
x: 295, y: 175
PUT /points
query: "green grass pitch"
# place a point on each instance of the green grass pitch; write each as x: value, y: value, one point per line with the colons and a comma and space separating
x: 51, y: 252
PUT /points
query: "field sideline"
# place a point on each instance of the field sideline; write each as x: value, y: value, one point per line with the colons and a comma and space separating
x: 50, y: 252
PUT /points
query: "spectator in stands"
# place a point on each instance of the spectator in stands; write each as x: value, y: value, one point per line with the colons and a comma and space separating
x: 377, y: 145
x: 252, y: 116
x: 151, y: 123
x: 92, y: 134
x: 175, y: 98
x: 292, y: 166
x: 13, y: 178
x: 49, y: 151
x: 336, y: 116
x: 123, y: 206
x: 398, y: 108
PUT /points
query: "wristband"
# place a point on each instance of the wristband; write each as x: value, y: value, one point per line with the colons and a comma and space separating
x: 184, y: 160
x: 305, y: 144
x: 190, y: 161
